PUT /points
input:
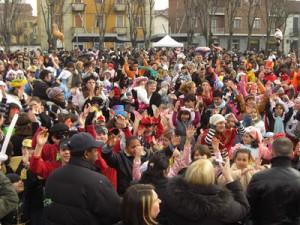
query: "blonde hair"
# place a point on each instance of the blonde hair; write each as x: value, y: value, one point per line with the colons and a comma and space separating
x: 200, y: 172
x: 187, y: 86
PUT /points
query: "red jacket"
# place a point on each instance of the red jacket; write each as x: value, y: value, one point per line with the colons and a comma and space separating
x: 49, y: 151
x: 43, y: 168
x: 227, y: 139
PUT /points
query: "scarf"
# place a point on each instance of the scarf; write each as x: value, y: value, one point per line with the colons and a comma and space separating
x: 278, y: 125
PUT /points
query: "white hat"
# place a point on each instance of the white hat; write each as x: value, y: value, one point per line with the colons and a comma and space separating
x: 216, y: 118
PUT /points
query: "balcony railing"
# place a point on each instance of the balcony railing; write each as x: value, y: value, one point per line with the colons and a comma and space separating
x: 78, y: 7
x: 218, y: 30
x: 78, y: 30
x: 120, y: 7
x: 217, y: 11
x: 121, y: 30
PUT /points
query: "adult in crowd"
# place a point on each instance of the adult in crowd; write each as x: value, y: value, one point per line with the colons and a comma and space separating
x: 140, y: 205
x: 195, y: 199
x: 75, y: 194
x: 274, y: 193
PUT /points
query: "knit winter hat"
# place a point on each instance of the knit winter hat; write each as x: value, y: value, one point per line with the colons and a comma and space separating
x: 53, y: 92
x: 216, y: 118
x: 254, y: 133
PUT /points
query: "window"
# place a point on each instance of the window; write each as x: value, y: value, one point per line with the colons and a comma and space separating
x: 178, y: 24
x: 213, y: 25
x: 238, y: 3
x: 140, y: 45
x: 296, y: 25
x: 257, y: 23
x: 237, y: 23
x: 139, y: 21
x: 119, y: 1
x: 195, y: 22
x: 99, y: 1
x: 236, y: 44
x: 78, y: 20
x: 120, y: 21
x: 100, y: 21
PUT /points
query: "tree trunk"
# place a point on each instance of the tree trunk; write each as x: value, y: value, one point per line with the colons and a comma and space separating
x: 229, y: 43
x: 6, y: 38
x: 267, y: 42
x: 248, y: 41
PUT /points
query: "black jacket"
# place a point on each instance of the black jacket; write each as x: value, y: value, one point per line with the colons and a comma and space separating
x: 274, y: 194
x: 192, y: 204
x: 39, y: 89
x: 77, y: 195
x: 123, y: 164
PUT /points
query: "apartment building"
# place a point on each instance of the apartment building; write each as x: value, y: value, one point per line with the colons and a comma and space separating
x: 219, y: 25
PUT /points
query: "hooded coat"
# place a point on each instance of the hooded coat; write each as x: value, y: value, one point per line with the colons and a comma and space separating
x: 194, y: 204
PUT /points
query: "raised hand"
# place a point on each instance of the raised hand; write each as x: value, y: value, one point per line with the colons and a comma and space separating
x: 42, y: 137
x: 190, y: 131
x: 226, y: 171
x: 215, y: 142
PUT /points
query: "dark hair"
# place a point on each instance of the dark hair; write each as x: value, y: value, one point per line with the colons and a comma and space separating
x: 183, y: 112
x: 243, y: 151
x: 189, y: 98
x: 217, y: 94
x: 202, y: 149
x: 130, y: 139
x: 282, y: 147
x: 254, y: 143
x: 44, y: 74
x: 136, y: 206
x: 157, y: 165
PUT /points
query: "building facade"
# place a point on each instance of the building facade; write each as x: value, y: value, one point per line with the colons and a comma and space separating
x: 219, y: 20
x: 85, y: 22
x: 24, y: 31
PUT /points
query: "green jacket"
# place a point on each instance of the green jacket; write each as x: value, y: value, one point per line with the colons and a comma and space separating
x: 8, y: 196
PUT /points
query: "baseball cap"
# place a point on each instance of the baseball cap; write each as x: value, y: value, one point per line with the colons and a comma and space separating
x: 83, y: 141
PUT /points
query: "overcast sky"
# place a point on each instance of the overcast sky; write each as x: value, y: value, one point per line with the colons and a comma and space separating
x: 159, y: 4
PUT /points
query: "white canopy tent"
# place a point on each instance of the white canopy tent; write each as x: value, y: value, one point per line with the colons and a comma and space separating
x: 167, y: 42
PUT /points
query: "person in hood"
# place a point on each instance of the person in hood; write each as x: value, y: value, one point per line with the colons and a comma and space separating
x: 194, y: 198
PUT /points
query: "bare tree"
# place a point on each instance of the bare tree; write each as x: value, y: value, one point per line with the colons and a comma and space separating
x: 276, y: 15
x: 253, y: 8
x: 231, y: 9
x: 205, y: 9
x: 53, y: 12
x: 10, y: 12
x: 134, y: 15
x: 148, y: 14
x: 103, y: 10
x: 18, y: 30
x: 190, y: 19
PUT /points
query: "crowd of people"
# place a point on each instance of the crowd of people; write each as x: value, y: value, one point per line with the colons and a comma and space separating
x: 165, y: 136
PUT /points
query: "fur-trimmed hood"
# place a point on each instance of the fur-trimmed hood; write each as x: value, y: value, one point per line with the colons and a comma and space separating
x: 193, y: 202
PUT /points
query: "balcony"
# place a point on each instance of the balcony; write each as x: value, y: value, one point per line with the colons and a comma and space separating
x: 218, y: 11
x: 78, y: 30
x: 120, y: 7
x: 121, y: 30
x: 217, y: 30
x: 78, y: 7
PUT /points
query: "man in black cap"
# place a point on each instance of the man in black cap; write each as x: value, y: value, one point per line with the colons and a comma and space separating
x: 75, y: 194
